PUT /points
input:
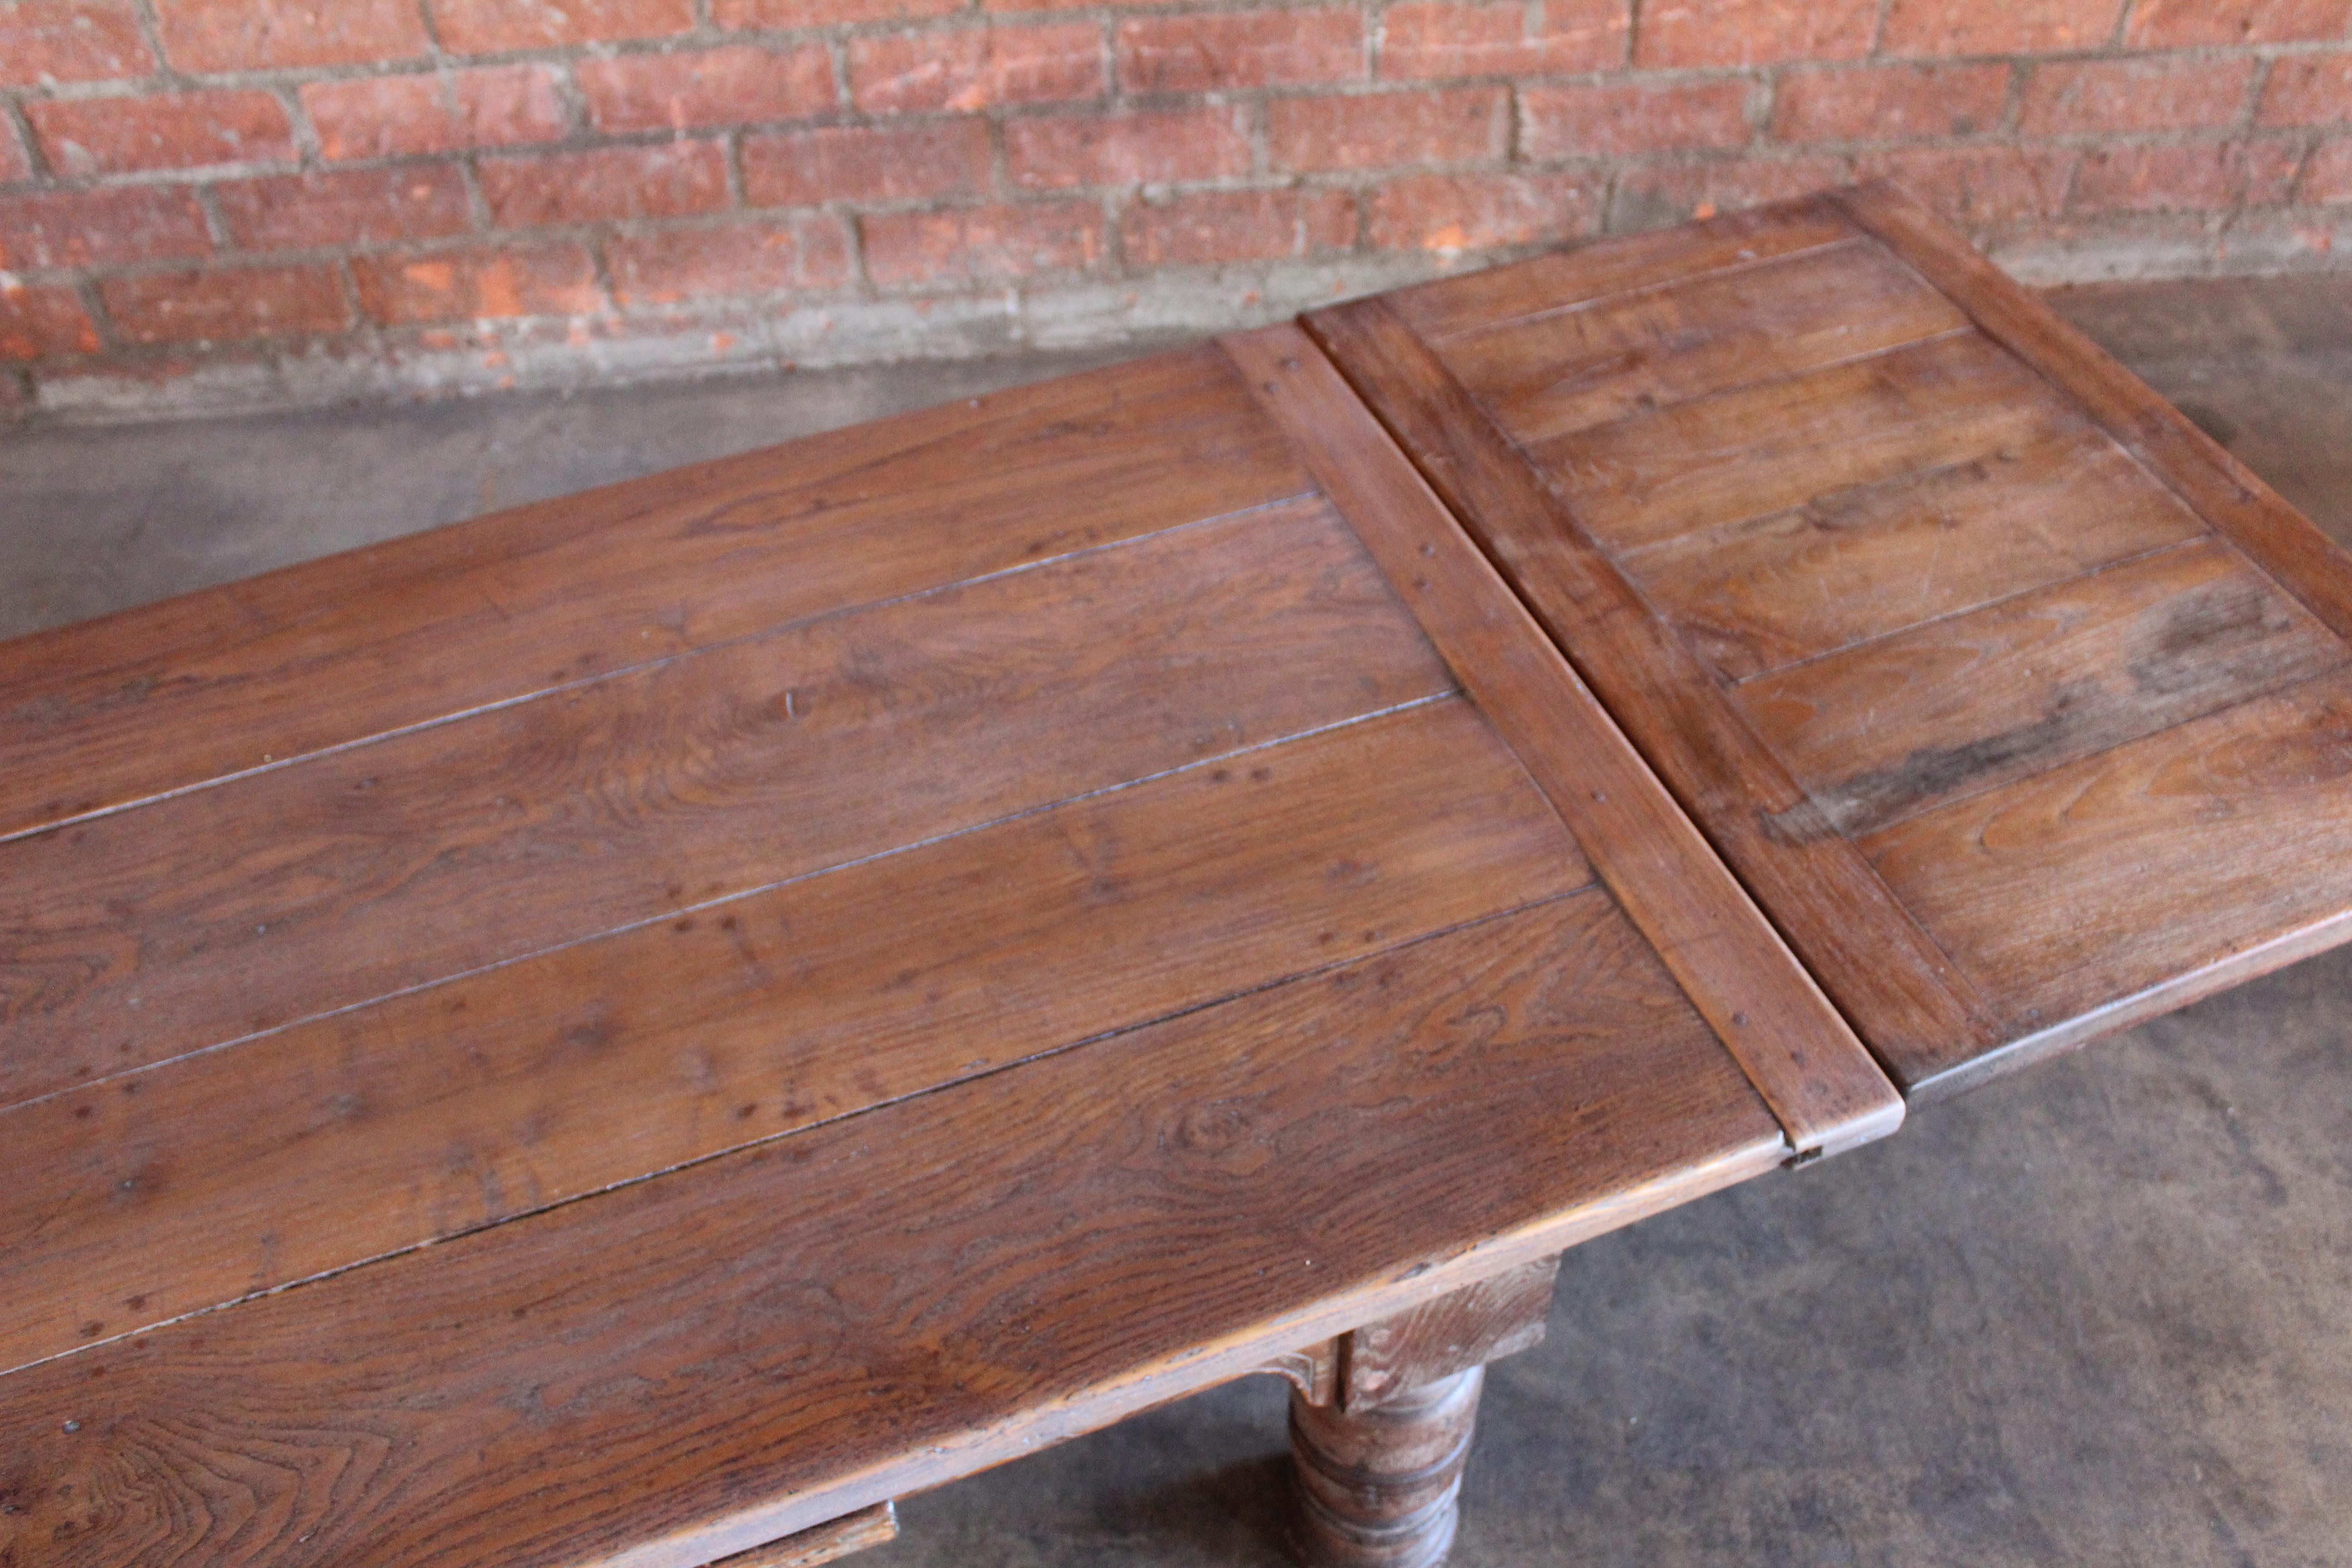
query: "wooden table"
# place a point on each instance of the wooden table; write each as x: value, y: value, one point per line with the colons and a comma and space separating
x: 637, y: 1029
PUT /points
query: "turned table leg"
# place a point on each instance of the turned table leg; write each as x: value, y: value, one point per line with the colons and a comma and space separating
x: 1382, y: 1418
x: 1378, y: 1488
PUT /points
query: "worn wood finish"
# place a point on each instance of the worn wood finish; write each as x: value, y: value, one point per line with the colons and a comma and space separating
x: 2227, y: 493
x: 1800, y: 1055
x: 2211, y: 842
x: 252, y: 673
x: 875, y: 1526
x: 704, y: 1361
x: 1854, y: 938
x: 1862, y: 615
x: 1566, y: 280
x: 447, y: 849
x: 1754, y: 450
x: 1381, y: 1488
x: 1876, y: 559
x: 1968, y: 702
x: 1382, y: 1363
x: 459, y: 1105
x: 1650, y: 348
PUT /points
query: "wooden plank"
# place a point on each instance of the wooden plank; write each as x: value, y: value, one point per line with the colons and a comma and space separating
x: 445, y: 849
x: 1565, y: 280
x: 701, y: 1362
x: 1858, y: 942
x: 2138, y: 879
x: 1764, y: 449
x: 1891, y: 728
x: 1869, y: 561
x: 1802, y: 1057
x: 2227, y: 493
x: 165, y: 1190
x: 1566, y: 369
x: 254, y: 673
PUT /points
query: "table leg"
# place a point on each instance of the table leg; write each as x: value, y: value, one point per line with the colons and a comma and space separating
x: 1380, y: 1442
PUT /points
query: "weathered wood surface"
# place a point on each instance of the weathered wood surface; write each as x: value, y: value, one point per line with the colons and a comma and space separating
x: 1801, y: 1056
x: 502, y: 834
x: 1856, y: 606
x: 253, y: 674
x: 933, y: 1004
x: 706, y: 1361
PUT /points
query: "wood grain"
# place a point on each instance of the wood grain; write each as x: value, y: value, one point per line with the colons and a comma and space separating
x: 254, y: 673
x: 1564, y: 370
x: 1476, y: 1324
x: 2230, y: 495
x: 1856, y: 941
x: 1870, y: 561
x: 1893, y: 727
x: 1796, y: 1049
x: 448, y: 1109
x: 1566, y: 280
x: 704, y: 1362
x: 2141, y: 867
x: 1775, y: 445
x: 442, y: 850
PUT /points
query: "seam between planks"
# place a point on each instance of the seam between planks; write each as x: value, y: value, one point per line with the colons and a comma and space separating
x: 961, y: 1081
x: 670, y: 914
x: 602, y: 677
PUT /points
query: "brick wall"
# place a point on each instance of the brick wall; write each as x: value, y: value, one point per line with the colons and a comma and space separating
x: 221, y: 202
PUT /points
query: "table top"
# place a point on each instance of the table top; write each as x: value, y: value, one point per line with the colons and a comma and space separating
x: 624, y: 1030
x: 2022, y: 707
x: 617, y: 1031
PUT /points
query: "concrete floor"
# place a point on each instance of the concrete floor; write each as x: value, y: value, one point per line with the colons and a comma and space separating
x: 2097, y: 1313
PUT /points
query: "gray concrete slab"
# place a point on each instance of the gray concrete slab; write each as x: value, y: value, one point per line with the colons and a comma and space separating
x: 2099, y: 1312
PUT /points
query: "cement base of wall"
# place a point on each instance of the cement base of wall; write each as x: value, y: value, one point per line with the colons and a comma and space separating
x: 1135, y: 315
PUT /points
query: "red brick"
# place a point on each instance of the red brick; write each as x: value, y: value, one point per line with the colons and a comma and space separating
x: 669, y: 180
x: 1212, y: 226
x: 1450, y: 214
x: 226, y: 304
x: 972, y: 245
x: 975, y: 67
x: 179, y: 130
x: 86, y: 228
x: 478, y: 285
x: 1889, y: 103
x: 1978, y: 185
x: 2266, y: 172
x: 1152, y: 147
x: 2176, y: 24
x: 2202, y: 178
x: 491, y: 27
x: 1681, y: 32
x: 1654, y: 195
x: 2133, y: 95
x: 866, y: 163
x: 273, y: 35
x: 14, y: 162
x: 831, y: 13
x: 1241, y: 48
x: 70, y: 40
x: 1388, y: 130
x: 707, y: 87
x: 1982, y: 27
x: 40, y: 320
x: 2327, y: 176
x: 1448, y: 39
x: 680, y: 265
x: 345, y: 207
x: 1586, y: 121
x: 442, y: 111
x: 2308, y: 90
